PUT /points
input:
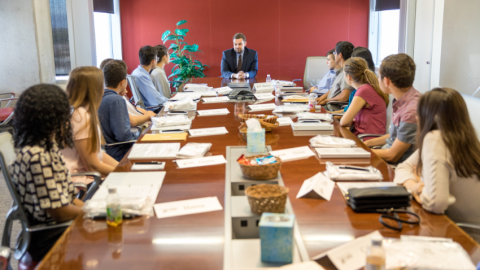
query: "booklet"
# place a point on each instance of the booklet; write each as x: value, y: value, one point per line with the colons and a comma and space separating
x: 154, y: 150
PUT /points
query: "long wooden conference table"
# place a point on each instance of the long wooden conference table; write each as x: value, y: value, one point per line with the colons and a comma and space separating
x: 196, y: 241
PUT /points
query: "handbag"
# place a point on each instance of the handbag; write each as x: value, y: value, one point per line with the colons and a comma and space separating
x: 384, y: 200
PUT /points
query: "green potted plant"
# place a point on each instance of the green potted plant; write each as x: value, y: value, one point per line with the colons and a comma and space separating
x: 183, y: 56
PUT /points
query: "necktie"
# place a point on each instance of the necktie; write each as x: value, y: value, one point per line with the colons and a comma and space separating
x: 239, y: 63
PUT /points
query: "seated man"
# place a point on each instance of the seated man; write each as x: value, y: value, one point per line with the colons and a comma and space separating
x: 327, y: 81
x: 113, y: 113
x: 340, y: 90
x: 239, y: 62
x: 148, y: 60
x: 396, y: 76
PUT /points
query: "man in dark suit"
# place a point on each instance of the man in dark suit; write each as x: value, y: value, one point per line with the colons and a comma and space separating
x: 239, y: 62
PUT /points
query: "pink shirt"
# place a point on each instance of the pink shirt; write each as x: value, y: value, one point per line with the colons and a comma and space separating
x: 80, y: 130
x: 372, y: 118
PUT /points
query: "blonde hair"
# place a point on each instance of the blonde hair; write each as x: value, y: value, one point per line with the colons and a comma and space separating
x: 85, y: 89
x: 358, y: 68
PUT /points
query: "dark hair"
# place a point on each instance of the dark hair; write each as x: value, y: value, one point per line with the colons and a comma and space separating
x: 104, y: 62
x: 331, y: 52
x: 345, y: 48
x: 147, y: 54
x: 114, y: 72
x: 399, y: 68
x: 161, y: 51
x: 42, y: 115
x: 357, y: 67
x: 240, y: 35
x: 444, y: 109
x: 366, y: 55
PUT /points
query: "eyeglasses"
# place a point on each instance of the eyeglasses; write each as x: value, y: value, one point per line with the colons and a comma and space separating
x: 334, y: 53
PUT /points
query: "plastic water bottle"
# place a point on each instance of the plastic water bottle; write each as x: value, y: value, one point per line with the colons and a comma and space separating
x: 114, y: 209
x: 312, y: 102
x: 375, y: 255
x: 268, y: 78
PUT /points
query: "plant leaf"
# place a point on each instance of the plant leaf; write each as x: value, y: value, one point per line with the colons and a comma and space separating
x: 181, y: 22
x: 165, y: 34
x: 182, y: 42
x: 173, y: 46
x: 181, y: 32
x: 169, y: 37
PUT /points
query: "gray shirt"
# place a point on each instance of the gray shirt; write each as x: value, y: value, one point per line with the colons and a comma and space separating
x: 338, y: 85
x: 159, y: 79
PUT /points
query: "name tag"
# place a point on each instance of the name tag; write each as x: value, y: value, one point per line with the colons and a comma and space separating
x: 215, y: 99
x: 207, y: 131
x: 187, y: 207
x: 199, y: 162
x: 263, y: 107
x: 264, y: 96
x: 263, y: 87
x: 213, y: 112
x: 319, y: 185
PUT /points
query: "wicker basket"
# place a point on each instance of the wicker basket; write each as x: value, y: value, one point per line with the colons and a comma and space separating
x: 261, y: 172
x: 245, y: 117
x: 267, y: 198
x: 267, y: 126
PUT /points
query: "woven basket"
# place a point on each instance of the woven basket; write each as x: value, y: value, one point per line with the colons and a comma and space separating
x: 267, y: 126
x: 261, y: 172
x: 267, y: 198
x: 245, y: 117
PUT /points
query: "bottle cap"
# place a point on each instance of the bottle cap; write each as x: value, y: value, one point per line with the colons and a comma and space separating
x: 377, y: 241
x: 112, y: 190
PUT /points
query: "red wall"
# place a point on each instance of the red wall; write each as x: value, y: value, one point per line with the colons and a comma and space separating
x: 283, y: 32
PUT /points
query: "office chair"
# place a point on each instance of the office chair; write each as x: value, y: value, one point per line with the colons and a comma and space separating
x: 6, y: 111
x: 137, y: 97
x: 315, y: 69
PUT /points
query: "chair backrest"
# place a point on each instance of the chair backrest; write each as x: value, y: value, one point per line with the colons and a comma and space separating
x: 136, y: 95
x: 7, y: 149
x: 315, y: 69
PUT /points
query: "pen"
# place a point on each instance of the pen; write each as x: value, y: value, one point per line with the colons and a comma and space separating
x: 149, y: 162
x: 171, y: 130
x: 354, y: 168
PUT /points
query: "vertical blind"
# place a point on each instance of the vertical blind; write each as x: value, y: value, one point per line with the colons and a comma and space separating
x: 61, y: 48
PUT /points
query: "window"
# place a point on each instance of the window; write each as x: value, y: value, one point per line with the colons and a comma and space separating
x: 388, y: 33
x: 103, y: 36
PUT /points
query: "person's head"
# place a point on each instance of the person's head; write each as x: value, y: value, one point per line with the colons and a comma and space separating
x: 85, y: 89
x: 148, y: 56
x: 366, y: 55
x: 162, y: 54
x: 42, y: 116
x: 104, y: 62
x: 356, y: 70
x: 397, y: 70
x: 331, y: 59
x: 239, y: 42
x: 444, y: 109
x: 115, y: 74
x: 343, y: 51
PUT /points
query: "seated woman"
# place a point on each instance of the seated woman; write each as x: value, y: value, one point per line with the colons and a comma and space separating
x: 443, y: 173
x: 368, y: 110
x: 85, y: 90
x: 42, y: 128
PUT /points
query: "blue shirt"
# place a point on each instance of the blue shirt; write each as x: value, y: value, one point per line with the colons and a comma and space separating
x: 350, y: 99
x: 326, y: 82
x: 115, y: 123
x: 150, y: 96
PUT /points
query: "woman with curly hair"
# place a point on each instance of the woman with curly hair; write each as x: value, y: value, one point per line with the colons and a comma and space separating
x: 41, y: 129
x: 85, y: 90
x: 368, y: 110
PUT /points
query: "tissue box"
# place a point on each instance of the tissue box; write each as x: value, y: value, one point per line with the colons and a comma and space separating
x: 276, y: 237
x: 256, y: 141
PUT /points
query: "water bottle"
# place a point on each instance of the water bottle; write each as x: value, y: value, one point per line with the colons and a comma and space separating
x: 268, y: 78
x: 375, y: 255
x: 312, y: 101
x: 114, y: 209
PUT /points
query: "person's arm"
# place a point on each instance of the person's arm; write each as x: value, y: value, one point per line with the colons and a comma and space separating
x: 107, y: 159
x: 137, y: 120
x: 394, y: 153
x: 91, y: 160
x: 147, y: 91
x: 377, y: 141
x: 65, y: 213
x: 120, y: 121
x: 322, y: 98
x: 355, y: 107
x: 406, y: 175
x: 142, y: 110
x: 254, y: 67
x: 226, y: 73
x: 343, y: 96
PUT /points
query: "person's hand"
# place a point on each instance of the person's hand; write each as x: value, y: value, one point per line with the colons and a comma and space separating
x: 367, y: 143
x: 312, y: 88
x: 241, y: 75
x: 235, y: 75
x: 323, y: 102
x: 150, y: 113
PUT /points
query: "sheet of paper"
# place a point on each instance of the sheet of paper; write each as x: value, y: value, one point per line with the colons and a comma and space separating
x: 293, y: 153
x: 154, y: 150
x: 213, y: 112
x: 182, y: 95
x: 350, y: 256
x: 264, y: 96
x: 342, y: 153
x: 148, y: 167
x: 200, y: 162
x: 207, y: 131
x: 263, y: 87
x: 262, y: 107
x: 345, y: 186
x: 182, y: 127
x: 123, y: 192
x: 215, y: 99
x: 310, y: 265
x: 318, y: 184
x: 165, y: 137
x: 284, y: 121
x: 116, y: 179
x: 187, y: 207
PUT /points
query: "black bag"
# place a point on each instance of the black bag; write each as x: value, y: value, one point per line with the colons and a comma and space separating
x: 383, y: 200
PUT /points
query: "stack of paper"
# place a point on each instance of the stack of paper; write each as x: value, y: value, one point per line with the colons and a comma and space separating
x: 171, y: 120
x: 216, y: 99
x: 165, y: 137
x: 207, y: 131
x: 186, y: 104
x: 352, y: 173
x: 293, y: 153
x: 290, y: 108
x: 223, y: 90
x: 154, y: 150
x: 344, y: 187
x: 312, y: 125
x: 284, y: 121
x: 192, y: 95
x: 194, y: 150
x: 342, y: 153
x: 322, y: 141
x: 314, y: 116
x: 263, y: 107
x: 213, y: 112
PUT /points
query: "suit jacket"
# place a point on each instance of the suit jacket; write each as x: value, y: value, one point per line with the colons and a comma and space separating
x: 249, y: 63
